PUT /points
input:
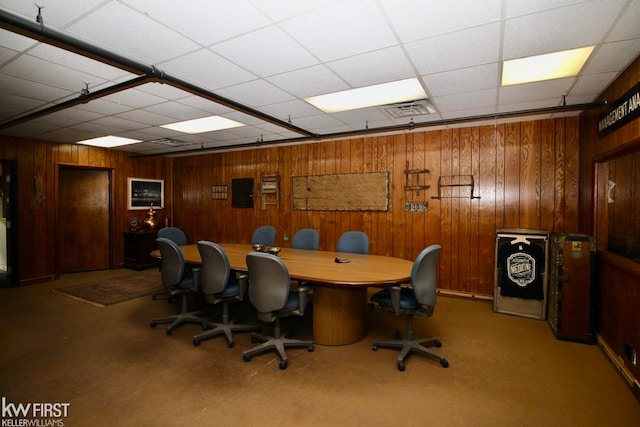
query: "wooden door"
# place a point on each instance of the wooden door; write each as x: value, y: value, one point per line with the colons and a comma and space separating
x: 83, y: 238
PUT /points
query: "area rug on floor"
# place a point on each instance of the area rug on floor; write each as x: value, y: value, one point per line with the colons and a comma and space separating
x: 111, y: 291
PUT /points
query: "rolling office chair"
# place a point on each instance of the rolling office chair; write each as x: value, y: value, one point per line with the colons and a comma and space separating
x: 178, y: 237
x: 265, y: 235
x: 271, y: 295
x: 306, y: 238
x: 217, y: 283
x: 355, y: 242
x: 176, y: 283
x: 420, y: 299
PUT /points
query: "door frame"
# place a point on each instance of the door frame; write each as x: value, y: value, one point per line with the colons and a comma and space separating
x: 13, y: 264
x: 57, y: 208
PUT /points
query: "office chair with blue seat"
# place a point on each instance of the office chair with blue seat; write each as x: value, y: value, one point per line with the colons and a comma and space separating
x: 176, y: 283
x: 177, y: 236
x: 220, y: 286
x: 419, y: 299
x: 270, y: 293
x: 264, y: 235
x: 355, y: 242
x: 306, y: 238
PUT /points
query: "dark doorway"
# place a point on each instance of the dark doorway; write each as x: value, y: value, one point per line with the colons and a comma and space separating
x: 83, y: 224
x: 8, y: 224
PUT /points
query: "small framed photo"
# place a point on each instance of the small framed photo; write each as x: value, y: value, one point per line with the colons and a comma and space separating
x: 145, y: 192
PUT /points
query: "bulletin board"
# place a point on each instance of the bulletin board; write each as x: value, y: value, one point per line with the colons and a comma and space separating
x: 341, y: 192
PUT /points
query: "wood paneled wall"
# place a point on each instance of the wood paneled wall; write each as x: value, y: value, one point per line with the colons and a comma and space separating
x: 36, y: 244
x: 619, y: 279
x: 526, y: 175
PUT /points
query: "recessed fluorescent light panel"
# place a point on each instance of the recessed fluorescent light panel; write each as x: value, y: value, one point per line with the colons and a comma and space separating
x: 550, y: 66
x: 109, y: 141
x: 369, y: 96
x: 204, y: 124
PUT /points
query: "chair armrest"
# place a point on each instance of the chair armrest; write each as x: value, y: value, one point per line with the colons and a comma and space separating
x: 196, y: 277
x: 243, y: 281
x: 394, y: 292
x: 303, y: 296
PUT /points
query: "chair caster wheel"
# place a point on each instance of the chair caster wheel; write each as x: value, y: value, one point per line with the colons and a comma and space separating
x: 398, y: 335
x: 374, y: 347
x: 246, y: 358
x: 444, y: 363
x: 401, y: 366
x: 231, y: 344
x: 153, y: 324
x: 168, y: 331
x: 437, y: 343
x: 153, y: 297
x: 283, y: 365
x: 196, y: 342
x: 310, y: 348
x: 254, y: 340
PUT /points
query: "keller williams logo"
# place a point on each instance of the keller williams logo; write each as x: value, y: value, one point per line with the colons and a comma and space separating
x: 34, y: 414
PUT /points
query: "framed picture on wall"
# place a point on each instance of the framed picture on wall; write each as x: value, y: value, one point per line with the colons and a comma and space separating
x: 145, y: 192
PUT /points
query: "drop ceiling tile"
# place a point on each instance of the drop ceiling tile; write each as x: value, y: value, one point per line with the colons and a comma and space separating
x: 203, y: 104
x: 479, y: 99
x: 75, y: 114
x: 475, y: 46
x: 592, y: 84
x: 207, y: 69
x: 205, y: 22
x: 137, y: 36
x: 15, y: 41
x: 117, y: 124
x: 255, y: 93
x: 557, y: 29
x: 341, y: 29
x: 7, y: 54
x: 146, y: 117
x: 56, y: 14
x: 380, y: 66
x: 293, y: 109
x: 613, y: 56
x: 627, y: 27
x: 297, y: 82
x: 438, y: 17
x: 265, y: 52
x: 525, y: 7
x: 176, y: 111
x: 23, y: 103
x: 30, y: 89
x: 163, y: 90
x: 40, y: 71
x: 463, y: 80
x: 104, y: 107
x: 78, y: 62
x: 279, y: 10
x: 135, y: 98
x: 553, y: 89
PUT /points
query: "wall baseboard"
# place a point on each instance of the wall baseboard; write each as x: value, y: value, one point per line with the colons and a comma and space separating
x: 466, y: 295
x: 631, y: 381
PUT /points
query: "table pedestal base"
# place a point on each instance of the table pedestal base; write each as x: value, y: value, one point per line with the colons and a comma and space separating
x: 339, y: 315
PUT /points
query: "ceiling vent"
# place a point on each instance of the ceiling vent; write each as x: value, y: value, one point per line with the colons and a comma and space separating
x: 410, y: 109
x: 171, y: 142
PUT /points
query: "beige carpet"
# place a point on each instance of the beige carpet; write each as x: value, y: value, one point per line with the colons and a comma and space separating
x: 118, y: 289
x: 114, y: 370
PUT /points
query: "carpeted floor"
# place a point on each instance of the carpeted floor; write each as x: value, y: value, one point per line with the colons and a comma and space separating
x: 118, y: 289
x: 113, y: 370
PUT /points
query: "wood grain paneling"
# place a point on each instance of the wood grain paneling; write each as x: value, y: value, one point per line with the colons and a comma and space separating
x: 516, y: 166
x: 37, y: 245
x: 619, y: 292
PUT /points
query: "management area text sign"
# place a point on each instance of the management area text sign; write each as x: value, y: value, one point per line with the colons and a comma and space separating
x: 625, y: 109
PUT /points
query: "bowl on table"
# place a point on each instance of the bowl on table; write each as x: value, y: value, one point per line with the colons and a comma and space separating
x: 257, y: 247
x: 274, y: 250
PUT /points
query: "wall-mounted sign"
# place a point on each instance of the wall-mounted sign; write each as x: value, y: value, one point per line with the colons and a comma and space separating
x: 625, y: 109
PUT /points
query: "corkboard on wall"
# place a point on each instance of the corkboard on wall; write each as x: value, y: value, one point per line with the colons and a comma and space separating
x: 342, y: 192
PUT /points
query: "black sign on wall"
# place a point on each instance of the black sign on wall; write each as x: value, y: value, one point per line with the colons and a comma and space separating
x: 625, y: 109
x: 242, y: 193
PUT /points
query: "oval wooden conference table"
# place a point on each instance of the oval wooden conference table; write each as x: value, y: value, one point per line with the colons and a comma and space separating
x: 340, y: 298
